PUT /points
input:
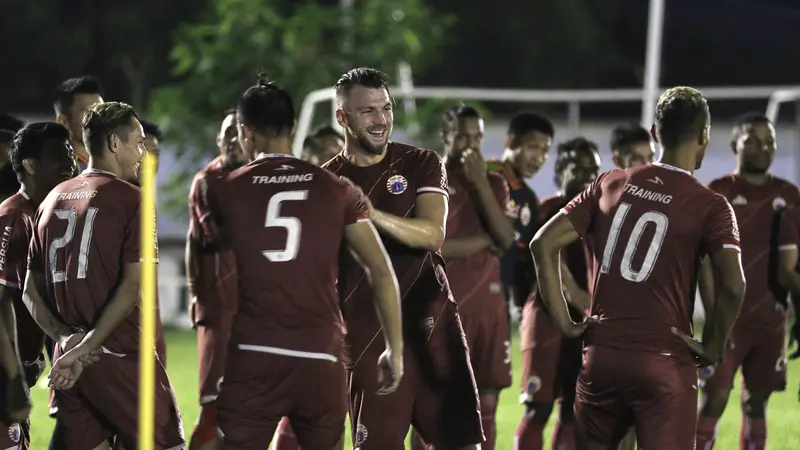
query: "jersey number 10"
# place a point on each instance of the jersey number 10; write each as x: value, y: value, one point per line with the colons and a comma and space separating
x: 291, y: 224
x: 660, y: 222
x: 71, y: 216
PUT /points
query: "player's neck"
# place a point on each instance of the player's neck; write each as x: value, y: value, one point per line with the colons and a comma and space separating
x: 359, y: 157
x: 274, y: 147
x: 80, y: 149
x: 511, y: 169
x: 105, y: 165
x: 752, y: 178
x: 679, y: 159
x: 29, y: 188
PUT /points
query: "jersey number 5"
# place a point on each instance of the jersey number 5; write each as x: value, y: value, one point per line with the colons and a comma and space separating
x: 71, y: 216
x: 291, y: 224
x: 626, y: 270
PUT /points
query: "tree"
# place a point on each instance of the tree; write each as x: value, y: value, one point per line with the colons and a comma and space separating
x: 298, y: 44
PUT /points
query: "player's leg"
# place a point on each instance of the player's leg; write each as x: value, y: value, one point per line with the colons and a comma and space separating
x: 212, y: 348
x: 81, y: 426
x: 446, y: 408
x: 569, y: 368
x: 764, y: 372
x: 662, y: 391
x: 319, y: 409
x: 716, y: 384
x: 285, y: 438
x: 602, y: 416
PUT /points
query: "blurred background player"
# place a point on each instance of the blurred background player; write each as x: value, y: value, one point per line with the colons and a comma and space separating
x: 630, y: 146
x: 528, y: 142
x: 88, y: 232
x: 287, y: 328
x: 652, y: 225
x: 9, y: 125
x: 42, y: 158
x: 551, y: 364
x: 152, y: 138
x: 478, y: 231
x: 322, y: 145
x: 757, y: 343
x: 71, y: 99
x: 405, y: 189
x: 212, y: 283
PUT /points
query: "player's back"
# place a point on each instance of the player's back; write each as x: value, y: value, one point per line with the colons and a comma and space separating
x: 650, y: 227
x: 86, y: 230
x: 286, y: 221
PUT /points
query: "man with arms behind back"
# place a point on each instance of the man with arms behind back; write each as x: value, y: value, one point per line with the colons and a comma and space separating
x: 649, y: 227
x: 758, y: 339
x: 42, y: 158
x: 405, y: 189
x: 85, y: 258
x: 287, y: 336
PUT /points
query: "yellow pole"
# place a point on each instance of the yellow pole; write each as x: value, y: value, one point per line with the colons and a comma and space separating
x: 147, y: 362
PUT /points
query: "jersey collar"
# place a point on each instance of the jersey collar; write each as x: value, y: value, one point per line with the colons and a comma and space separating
x: 669, y: 167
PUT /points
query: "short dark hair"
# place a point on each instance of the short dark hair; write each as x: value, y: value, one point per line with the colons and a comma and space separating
x: 361, y: 76
x: 622, y: 136
x: 30, y: 141
x: 747, y: 119
x: 267, y: 108
x: 526, y: 122
x: 65, y: 93
x: 451, y: 116
x: 327, y: 130
x: 151, y: 128
x: 681, y: 114
x: 11, y: 123
x: 103, y: 119
x: 567, y: 151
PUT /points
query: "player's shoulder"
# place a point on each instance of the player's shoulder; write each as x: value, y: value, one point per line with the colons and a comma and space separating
x: 17, y: 205
x: 413, y: 154
x: 785, y: 188
x: 722, y: 183
x: 552, y: 201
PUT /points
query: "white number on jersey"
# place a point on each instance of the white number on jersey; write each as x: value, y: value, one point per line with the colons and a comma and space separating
x: 291, y: 224
x: 660, y: 222
x: 71, y: 216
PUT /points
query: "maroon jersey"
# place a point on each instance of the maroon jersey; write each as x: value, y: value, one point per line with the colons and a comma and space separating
x: 474, y: 280
x: 789, y: 231
x: 87, y: 229
x: 216, y: 283
x: 651, y: 226
x: 758, y: 209
x: 393, y: 185
x: 286, y: 219
x: 16, y: 222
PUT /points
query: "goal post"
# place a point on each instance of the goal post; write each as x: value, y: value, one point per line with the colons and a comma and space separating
x: 573, y: 99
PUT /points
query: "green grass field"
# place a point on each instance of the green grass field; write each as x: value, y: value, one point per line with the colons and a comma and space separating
x: 784, y: 414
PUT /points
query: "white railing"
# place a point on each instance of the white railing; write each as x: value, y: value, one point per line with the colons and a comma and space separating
x: 573, y: 98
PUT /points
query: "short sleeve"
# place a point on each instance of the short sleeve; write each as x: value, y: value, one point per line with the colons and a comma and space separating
x: 431, y: 174
x: 355, y: 209
x: 502, y: 193
x: 720, y: 229
x: 201, y: 210
x: 581, y: 210
x: 15, y: 247
x: 132, y: 246
x: 789, y: 231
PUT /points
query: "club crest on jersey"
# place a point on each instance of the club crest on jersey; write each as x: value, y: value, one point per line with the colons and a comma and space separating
x: 15, y: 432
x: 534, y: 384
x: 778, y: 204
x: 361, y: 434
x: 396, y: 184
x: 525, y: 215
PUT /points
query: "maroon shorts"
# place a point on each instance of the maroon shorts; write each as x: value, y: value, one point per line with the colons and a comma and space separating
x: 15, y: 436
x: 104, y: 404
x: 489, y: 348
x: 212, y: 350
x: 550, y: 364
x: 261, y: 388
x: 762, y: 356
x: 655, y: 393
x: 437, y: 395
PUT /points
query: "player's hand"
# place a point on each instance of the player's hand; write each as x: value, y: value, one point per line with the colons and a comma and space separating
x: 474, y: 166
x: 66, y: 370
x: 364, y: 197
x: 86, y: 356
x: 575, y: 330
x: 390, y: 371
x: 18, y: 400
x: 702, y: 356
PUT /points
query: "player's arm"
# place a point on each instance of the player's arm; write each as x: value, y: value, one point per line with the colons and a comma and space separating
x: 575, y: 295
x: 788, y: 275
x: 556, y: 234
x: 493, y: 197
x: 364, y: 243
x: 705, y: 284
x: 9, y: 353
x: 425, y: 230
x: 35, y: 285
x: 463, y: 247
